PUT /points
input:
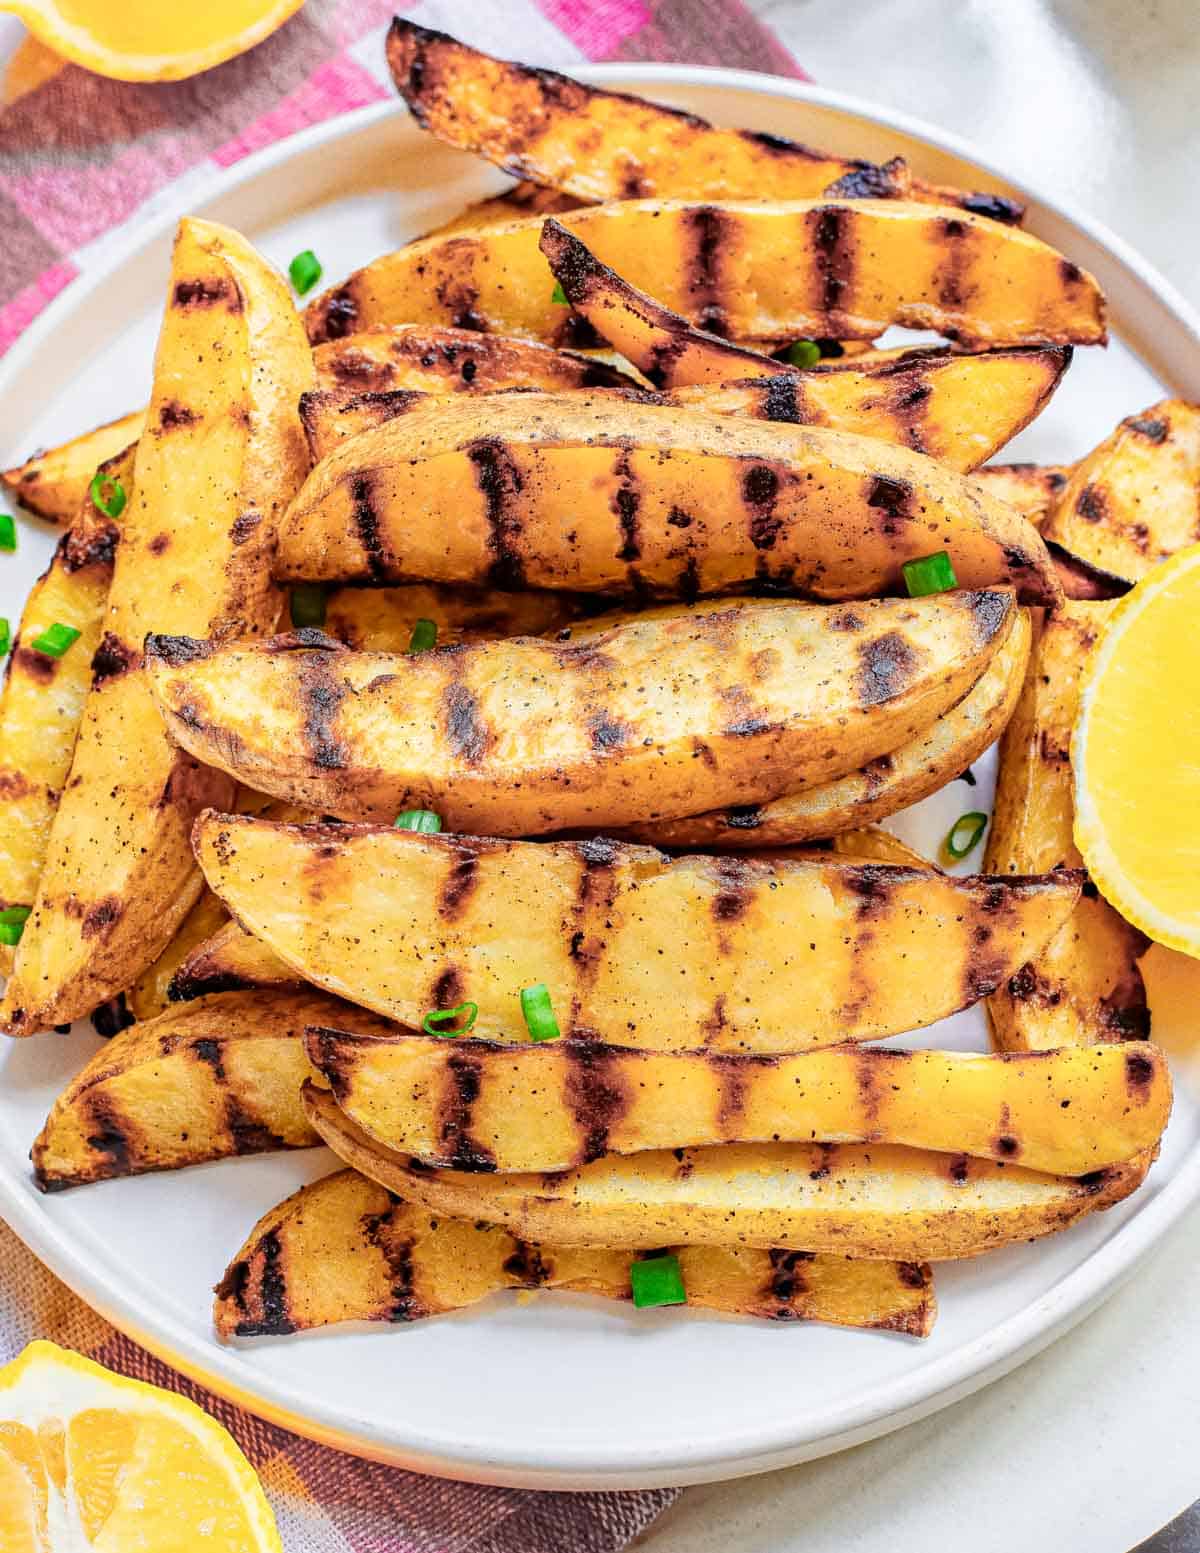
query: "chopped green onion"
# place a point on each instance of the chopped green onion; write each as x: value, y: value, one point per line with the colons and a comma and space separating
x: 657, y: 1280
x: 539, y: 1016
x: 55, y: 640
x: 423, y: 637
x: 423, y: 820
x: 5, y: 636
x: 560, y: 296
x: 308, y: 605
x: 305, y: 270
x: 804, y: 353
x: 437, y: 1019
x: 929, y: 574
x: 108, y: 495
x: 965, y: 834
x: 8, y: 532
x: 12, y: 924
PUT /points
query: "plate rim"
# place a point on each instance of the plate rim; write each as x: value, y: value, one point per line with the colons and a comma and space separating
x: 879, y: 1410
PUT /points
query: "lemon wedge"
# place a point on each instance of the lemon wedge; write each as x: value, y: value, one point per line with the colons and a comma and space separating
x: 151, y: 40
x: 1136, y: 757
x: 90, y: 1460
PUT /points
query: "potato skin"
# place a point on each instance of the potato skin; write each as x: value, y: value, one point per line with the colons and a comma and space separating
x: 229, y: 960
x: 664, y: 502
x: 42, y: 701
x: 476, y: 1105
x: 599, y: 145
x: 219, y: 1077
x: 636, y: 949
x: 760, y: 272
x: 1085, y: 985
x: 884, y: 786
x: 653, y: 718
x: 1131, y: 502
x: 55, y: 483
x: 345, y: 1249
x: 860, y: 1200
x: 223, y: 453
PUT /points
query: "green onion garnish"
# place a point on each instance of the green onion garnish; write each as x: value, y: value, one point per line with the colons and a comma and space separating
x: 424, y: 635
x: 657, y: 1280
x: 108, y: 495
x: 539, y: 1016
x: 560, y: 296
x: 55, y: 640
x: 437, y: 1019
x: 8, y: 532
x: 965, y: 834
x: 308, y: 605
x: 5, y: 636
x: 804, y: 353
x: 305, y: 270
x: 423, y: 820
x: 12, y: 923
x: 929, y: 574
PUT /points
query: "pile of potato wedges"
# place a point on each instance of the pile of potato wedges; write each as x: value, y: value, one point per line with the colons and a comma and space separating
x: 488, y: 689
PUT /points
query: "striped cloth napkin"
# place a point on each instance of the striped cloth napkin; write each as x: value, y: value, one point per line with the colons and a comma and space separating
x: 79, y: 156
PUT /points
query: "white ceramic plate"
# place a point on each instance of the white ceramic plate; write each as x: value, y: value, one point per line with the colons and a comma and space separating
x: 567, y: 1392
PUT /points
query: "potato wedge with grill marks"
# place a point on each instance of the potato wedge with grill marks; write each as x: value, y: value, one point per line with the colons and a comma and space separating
x: 653, y: 718
x: 636, y: 949
x: 215, y: 1078
x: 884, y: 786
x: 1030, y: 489
x: 346, y: 1249
x: 478, y: 1105
x: 41, y: 704
x: 55, y: 483
x: 1135, y: 499
x: 150, y: 995
x: 439, y: 360
x: 224, y: 453
x: 958, y: 409
x: 860, y: 1200
x: 599, y: 145
x: 230, y: 960
x: 521, y: 199
x: 1085, y: 984
x: 761, y: 271
x: 664, y: 501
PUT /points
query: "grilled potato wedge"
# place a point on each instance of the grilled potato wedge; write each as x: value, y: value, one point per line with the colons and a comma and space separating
x: 217, y: 1077
x: 54, y: 484
x: 637, y: 950
x: 663, y: 501
x: 230, y: 960
x: 1133, y: 500
x: 883, y: 786
x: 1031, y: 489
x: 224, y: 453
x: 653, y: 718
x: 441, y: 360
x: 345, y: 1249
x: 599, y: 145
x: 759, y: 272
x: 382, y: 619
x: 956, y: 408
x: 1085, y: 984
x: 861, y: 1200
x: 42, y: 701
x: 477, y: 1105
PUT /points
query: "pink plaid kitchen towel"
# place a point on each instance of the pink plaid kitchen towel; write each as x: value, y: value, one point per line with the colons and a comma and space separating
x: 80, y: 155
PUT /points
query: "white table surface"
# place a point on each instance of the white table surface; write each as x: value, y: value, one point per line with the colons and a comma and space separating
x: 1092, y: 1446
